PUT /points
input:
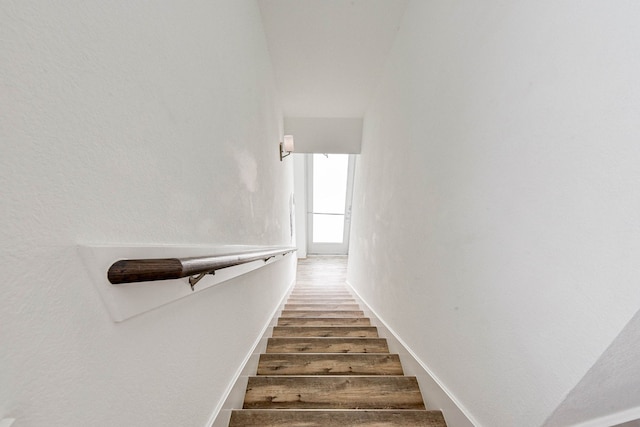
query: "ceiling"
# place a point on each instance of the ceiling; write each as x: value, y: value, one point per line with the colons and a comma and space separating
x: 328, y: 54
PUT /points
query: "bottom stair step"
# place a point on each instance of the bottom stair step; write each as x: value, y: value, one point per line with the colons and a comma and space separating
x: 333, y: 392
x: 335, y: 418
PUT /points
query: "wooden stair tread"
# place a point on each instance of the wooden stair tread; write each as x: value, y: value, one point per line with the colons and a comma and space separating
x: 320, y: 295
x: 325, y: 331
x: 335, y: 418
x: 326, y: 345
x: 300, y: 284
x: 324, y: 321
x: 320, y: 306
x: 329, y: 364
x: 319, y: 313
x: 326, y: 366
x: 316, y: 302
x: 321, y: 300
x: 320, y: 291
x: 333, y: 392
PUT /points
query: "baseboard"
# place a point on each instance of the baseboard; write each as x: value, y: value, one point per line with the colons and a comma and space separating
x: 612, y: 419
x: 433, y: 390
x: 234, y: 394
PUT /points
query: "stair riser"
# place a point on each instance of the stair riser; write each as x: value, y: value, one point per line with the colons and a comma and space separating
x: 334, y: 418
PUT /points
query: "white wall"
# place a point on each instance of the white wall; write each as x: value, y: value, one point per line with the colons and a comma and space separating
x: 300, y: 191
x: 325, y: 134
x: 495, y: 223
x: 610, y: 384
x: 132, y: 122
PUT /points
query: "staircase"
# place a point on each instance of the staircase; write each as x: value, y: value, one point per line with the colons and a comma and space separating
x: 326, y: 366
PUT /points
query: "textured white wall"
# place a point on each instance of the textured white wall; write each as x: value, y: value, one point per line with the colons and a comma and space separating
x: 495, y: 223
x: 132, y: 122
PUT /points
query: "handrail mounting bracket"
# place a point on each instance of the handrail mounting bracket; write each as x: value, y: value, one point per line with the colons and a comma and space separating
x: 193, y: 280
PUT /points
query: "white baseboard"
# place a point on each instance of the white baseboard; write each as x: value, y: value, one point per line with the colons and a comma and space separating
x: 434, y: 392
x: 233, y: 397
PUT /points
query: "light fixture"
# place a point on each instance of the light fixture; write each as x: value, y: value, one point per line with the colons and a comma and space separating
x: 286, y: 146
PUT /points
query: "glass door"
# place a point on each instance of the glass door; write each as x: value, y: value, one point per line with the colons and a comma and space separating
x: 330, y: 187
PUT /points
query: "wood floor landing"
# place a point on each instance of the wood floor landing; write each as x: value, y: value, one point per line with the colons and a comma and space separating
x: 326, y: 366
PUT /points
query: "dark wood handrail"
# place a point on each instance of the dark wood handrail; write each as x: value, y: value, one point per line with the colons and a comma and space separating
x: 145, y: 270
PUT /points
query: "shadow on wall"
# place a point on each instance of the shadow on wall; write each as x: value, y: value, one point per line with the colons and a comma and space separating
x: 610, y: 385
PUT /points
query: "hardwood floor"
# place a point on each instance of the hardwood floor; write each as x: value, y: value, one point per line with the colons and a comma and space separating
x: 325, y: 365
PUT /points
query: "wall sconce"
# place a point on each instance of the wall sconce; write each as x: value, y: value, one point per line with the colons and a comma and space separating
x: 286, y: 146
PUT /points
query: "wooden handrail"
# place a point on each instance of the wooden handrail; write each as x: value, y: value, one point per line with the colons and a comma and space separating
x: 145, y: 270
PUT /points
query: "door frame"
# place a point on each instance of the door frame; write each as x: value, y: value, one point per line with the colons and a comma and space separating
x: 329, y: 248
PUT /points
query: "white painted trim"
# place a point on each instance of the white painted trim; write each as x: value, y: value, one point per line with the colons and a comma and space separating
x: 300, y: 196
x: 434, y: 391
x: 338, y: 248
x: 612, y: 419
x: 128, y: 300
x: 233, y: 396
